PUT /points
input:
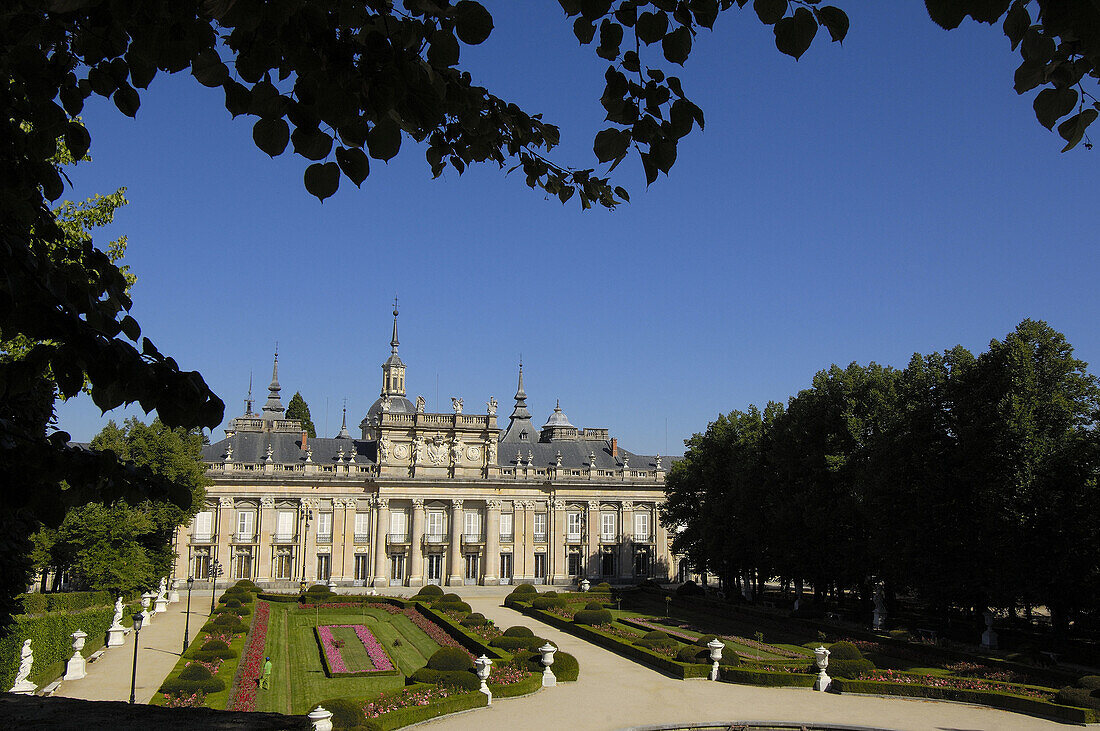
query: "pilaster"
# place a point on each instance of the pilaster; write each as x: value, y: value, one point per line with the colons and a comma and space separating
x: 626, y: 548
x: 416, y: 549
x: 454, y: 559
x: 226, y: 524
x: 592, y: 550
x: 556, y: 546
x: 381, y: 525
x: 265, y: 524
x: 492, y: 543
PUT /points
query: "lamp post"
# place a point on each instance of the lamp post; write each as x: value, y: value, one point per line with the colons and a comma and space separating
x: 307, y: 515
x: 215, y: 572
x: 138, y: 619
x: 668, y: 601
x: 187, y: 619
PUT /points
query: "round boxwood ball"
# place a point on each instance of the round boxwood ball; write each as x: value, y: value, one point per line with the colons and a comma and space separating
x: 692, y: 654
x: 525, y: 589
x: 565, y: 666
x: 195, y: 671
x: 233, y: 603
x: 449, y: 598
x: 214, y: 645
x: 430, y: 590
x: 844, y: 650
x: 593, y: 605
x: 706, y: 640
x: 518, y: 631
x: 593, y: 617
x: 655, y: 635
x: 450, y: 658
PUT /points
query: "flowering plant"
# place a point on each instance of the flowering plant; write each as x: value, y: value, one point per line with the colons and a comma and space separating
x: 386, y: 702
x: 508, y: 673
x: 195, y: 700
x: 939, y: 681
x: 242, y: 694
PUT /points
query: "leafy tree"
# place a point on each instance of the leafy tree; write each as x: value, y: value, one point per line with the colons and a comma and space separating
x: 299, y: 409
x: 123, y: 547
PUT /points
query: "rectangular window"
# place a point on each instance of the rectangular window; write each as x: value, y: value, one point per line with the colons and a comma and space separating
x: 573, y: 526
x: 362, y: 521
x: 242, y: 564
x: 398, y: 522
x: 540, y: 526
x: 575, y: 564
x: 641, y: 526
x: 506, y: 526
x: 435, y: 523
x: 202, y: 566
x: 607, y: 526
x: 324, y: 526
x: 472, y: 524
x: 204, y: 526
x: 284, y: 525
x: 284, y: 565
x: 324, y: 567
x: 245, y: 521
x: 361, y: 567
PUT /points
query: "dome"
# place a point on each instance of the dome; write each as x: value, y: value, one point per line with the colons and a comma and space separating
x: 398, y: 405
x: 557, y: 419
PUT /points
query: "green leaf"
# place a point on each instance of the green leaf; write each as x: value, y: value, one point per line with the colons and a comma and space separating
x: 237, y: 97
x: 1073, y: 129
x: 947, y: 14
x: 584, y: 30
x: 77, y: 140
x: 769, y: 11
x: 473, y: 23
x: 384, y: 139
x: 621, y: 192
x: 354, y: 163
x: 443, y: 51
x: 1053, y: 104
x: 1016, y: 23
x: 611, y: 144
x: 649, y: 168
x: 593, y: 9
x: 651, y: 27
x: 631, y: 62
x: 705, y: 12
x: 664, y: 154
x: 322, y: 179
x: 127, y: 100
x: 271, y: 135
x: 311, y: 143
x: 130, y: 327
x: 208, y: 69
x: 677, y: 45
x: 835, y: 21
x: 611, y: 35
x: 794, y: 35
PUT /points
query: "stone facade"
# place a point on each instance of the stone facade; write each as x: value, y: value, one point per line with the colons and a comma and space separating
x: 443, y: 498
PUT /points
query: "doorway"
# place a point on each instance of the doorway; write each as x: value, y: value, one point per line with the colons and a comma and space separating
x: 540, y: 568
x: 505, y: 568
x: 435, y: 568
x: 397, y: 569
x: 473, y: 563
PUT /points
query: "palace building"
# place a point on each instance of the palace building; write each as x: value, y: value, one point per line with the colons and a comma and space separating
x: 425, y: 498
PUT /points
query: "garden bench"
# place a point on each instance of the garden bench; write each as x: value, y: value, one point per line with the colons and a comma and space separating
x: 1052, y: 655
x: 928, y: 635
x: 95, y: 655
x: 51, y: 688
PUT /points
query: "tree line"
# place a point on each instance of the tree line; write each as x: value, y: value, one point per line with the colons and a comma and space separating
x: 970, y: 481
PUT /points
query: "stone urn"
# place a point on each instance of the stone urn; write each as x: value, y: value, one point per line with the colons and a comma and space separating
x: 321, y: 719
x: 483, y: 665
x: 76, y: 667
x: 989, y: 637
x: 174, y: 592
x: 821, y: 659
x: 715, y: 646
x: 585, y: 584
x: 146, y: 604
x: 549, y: 680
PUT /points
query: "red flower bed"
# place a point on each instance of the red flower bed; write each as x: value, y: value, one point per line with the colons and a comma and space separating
x: 242, y: 695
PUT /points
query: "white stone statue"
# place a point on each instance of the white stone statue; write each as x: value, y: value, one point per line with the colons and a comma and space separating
x: 418, y: 449
x: 491, y: 406
x: 420, y: 404
x: 492, y: 449
x: 557, y: 460
x: 383, y: 449
x: 26, y: 660
x: 880, y: 607
x: 116, y: 621
x: 657, y: 461
x: 163, y: 591
x: 989, y: 637
x: 385, y: 406
x: 270, y: 453
x: 456, y: 404
x: 456, y: 450
x: 229, y: 453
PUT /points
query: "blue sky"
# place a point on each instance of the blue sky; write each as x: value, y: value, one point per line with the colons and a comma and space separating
x: 889, y: 196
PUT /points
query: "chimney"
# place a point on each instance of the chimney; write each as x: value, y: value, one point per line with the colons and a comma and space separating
x: 305, y: 435
x: 614, y: 447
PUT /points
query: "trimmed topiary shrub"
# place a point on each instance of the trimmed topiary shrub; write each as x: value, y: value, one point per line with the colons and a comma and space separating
x: 603, y: 587
x: 565, y: 666
x: 347, y: 715
x: 706, y: 640
x: 593, y: 617
x: 693, y: 654
x: 246, y: 584
x: 459, y: 606
x: 464, y: 679
x: 1080, y: 697
x: 450, y: 658
x: 689, y: 588
x: 430, y: 590
x: 450, y: 598
x: 843, y: 650
x: 477, y: 619
x: 518, y: 631
x: 531, y: 644
x: 193, y: 678
x: 655, y: 635
x: 593, y: 605
x: 233, y: 602
x: 656, y: 643
x: 226, y: 622
x: 550, y: 593
x: 546, y: 601
x: 850, y: 669
x: 525, y: 589
x: 1092, y: 682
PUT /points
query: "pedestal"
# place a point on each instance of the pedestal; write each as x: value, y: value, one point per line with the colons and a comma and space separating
x: 989, y: 639
x: 173, y: 596
x: 880, y: 620
x: 822, y: 682
x: 115, y: 635
x: 714, y: 672
x: 161, y: 605
x: 24, y: 687
x: 75, y: 668
x: 549, y: 680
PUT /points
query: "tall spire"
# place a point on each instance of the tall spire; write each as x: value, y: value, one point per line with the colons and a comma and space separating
x: 344, y: 424
x: 248, y: 401
x: 521, y: 412
x: 393, y: 341
x: 273, y: 409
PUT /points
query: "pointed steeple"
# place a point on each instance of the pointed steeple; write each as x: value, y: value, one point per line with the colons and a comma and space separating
x: 393, y: 370
x: 393, y: 341
x: 273, y: 409
x: 249, y: 401
x: 344, y: 424
x: 520, y: 428
x: 520, y: 411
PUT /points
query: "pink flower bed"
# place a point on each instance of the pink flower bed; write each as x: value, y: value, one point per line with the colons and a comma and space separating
x: 938, y: 681
x: 404, y: 699
x: 195, y: 700
x: 242, y: 695
x: 508, y: 673
x: 762, y: 646
x: 378, y: 657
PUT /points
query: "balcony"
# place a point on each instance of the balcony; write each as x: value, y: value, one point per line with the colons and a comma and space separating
x: 361, y: 538
x: 324, y: 539
x: 397, y: 539
x: 435, y: 539
x: 200, y: 540
x: 608, y: 539
x: 245, y: 538
x: 284, y: 540
x: 643, y: 538
x: 472, y: 538
x: 539, y: 538
x: 507, y: 538
x: 573, y: 538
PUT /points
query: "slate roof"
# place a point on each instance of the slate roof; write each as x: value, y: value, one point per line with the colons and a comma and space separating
x: 287, y: 448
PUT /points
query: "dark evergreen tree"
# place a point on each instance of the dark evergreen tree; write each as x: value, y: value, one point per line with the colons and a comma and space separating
x: 299, y: 409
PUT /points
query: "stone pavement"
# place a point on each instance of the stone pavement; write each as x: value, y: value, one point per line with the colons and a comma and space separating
x: 615, y: 693
x: 159, y: 650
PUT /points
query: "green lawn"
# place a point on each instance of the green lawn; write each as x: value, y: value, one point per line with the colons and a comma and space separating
x: 226, y: 673
x: 353, y: 653
x: 299, y: 682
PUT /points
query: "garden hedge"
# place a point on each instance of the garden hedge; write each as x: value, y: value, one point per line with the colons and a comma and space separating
x: 416, y: 714
x: 450, y: 658
x: 528, y: 685
x: 992, y: 698
x: 459, y: 606
x: 593, y: 616
x: 464, y: 679
x: 51, y: 641
x: 843, y: 650
x: 565, y: 667
x: 67, y: 601
x: 517, y: 643
x: 347, y: 715
x: 430, y: 590
x: 525, y: 589
x: 473, y: 643
x: 192, y: 678
x: 544, y: 601
x: 518, y: 631
x: 476, y: 619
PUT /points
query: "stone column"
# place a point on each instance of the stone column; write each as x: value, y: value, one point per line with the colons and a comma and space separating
x: 492, y: 543
x: 381, y: 525
x: 454, y: 560
x: 309, y: 542
x: 592, y: 521
x: 336, y: 557
x: 226, y: 523
x: 556, y: 545
x: 523, y: 562
x: 416, y: 547
x: 626, y: 532
x: 266, y: 520
x: 661, y: 561
x: 347, y: 540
